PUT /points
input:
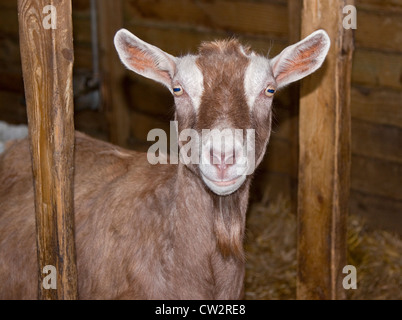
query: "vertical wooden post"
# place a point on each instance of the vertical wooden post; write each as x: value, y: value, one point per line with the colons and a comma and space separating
x: 324, y: 166
x: 112, y: 72
x: 47, y: 62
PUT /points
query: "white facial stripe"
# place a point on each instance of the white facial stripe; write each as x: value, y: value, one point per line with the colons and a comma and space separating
x: 256, y: 78
x: 191, y: 78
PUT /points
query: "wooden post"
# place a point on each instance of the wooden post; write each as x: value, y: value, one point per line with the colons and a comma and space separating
x: 324, y: 163
x: 47, y: 62
x: 112, y: 72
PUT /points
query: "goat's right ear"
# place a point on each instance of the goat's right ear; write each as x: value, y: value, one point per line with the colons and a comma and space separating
x: 144, y: 58
x: 301, y: 59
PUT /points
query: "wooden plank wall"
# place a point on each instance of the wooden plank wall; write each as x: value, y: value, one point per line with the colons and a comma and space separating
x: 12, y: 104
x: 376, y: 178
x: 12, y: 108
x: 179, y: 26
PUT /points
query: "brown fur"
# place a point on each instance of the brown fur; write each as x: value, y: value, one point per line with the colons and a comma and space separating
x: 131, y: 235
x: 223, y: 65
x: 143, y: 231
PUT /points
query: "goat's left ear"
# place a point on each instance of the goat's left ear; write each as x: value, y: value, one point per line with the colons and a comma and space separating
x: 301, y: 59
x: 144, y: 58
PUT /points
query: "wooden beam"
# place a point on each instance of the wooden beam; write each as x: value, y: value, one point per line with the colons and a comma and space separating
x: 47, y: 63
x: 110, y: 17
x: 324, y: 163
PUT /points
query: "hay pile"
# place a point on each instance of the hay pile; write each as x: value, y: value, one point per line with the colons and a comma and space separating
x: 271, y: 255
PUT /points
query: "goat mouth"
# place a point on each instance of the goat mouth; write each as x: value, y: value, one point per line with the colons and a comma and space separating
x: 225, y: 183
x: 223, y: 188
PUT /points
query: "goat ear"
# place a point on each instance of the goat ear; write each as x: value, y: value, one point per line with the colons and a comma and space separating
x: 144, y: 58
x: 301, y: 59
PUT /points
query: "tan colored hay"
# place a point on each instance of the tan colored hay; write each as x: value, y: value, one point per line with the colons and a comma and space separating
x: 271, y: 255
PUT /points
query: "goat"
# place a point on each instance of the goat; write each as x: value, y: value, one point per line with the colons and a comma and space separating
x: 167, y: 231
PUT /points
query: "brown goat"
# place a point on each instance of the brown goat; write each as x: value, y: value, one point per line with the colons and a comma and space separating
x: 167, y: 231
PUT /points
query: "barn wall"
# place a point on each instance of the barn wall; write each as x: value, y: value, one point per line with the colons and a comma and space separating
x: 179, y: 26
x: 377, y: 113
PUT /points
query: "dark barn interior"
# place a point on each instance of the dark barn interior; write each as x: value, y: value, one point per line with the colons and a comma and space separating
x: 116, y: 105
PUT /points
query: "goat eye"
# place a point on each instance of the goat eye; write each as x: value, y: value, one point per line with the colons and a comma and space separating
x: 270, y: 91
x: 178, y: 90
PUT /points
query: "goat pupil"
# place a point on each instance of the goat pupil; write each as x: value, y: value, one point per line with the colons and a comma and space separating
x: 176, y: 89
x: 271, y: 90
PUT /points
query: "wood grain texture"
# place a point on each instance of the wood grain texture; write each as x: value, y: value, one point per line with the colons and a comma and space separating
x: 379, y: 69
x: 110, y: 20
x: 379, y: 30
x: 377, y: 141
x: 378, y: 106
x: 256, y: 17
x: 324, y: 163
x: 47, y: 63
x: 379, y: 212
x: 376, y: 177
x: 380, y: 5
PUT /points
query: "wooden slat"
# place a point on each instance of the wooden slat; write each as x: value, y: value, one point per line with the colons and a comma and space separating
x: 110, y: 15
x: 380, y: 5
x: 377, y: 105
x: 377, y: 141
x: 180, y: 41
x: 379, y: 212
x: 47, y: 62
x: 377, y: 69
x: 232, y: 16
x: 379, y: 30
x: 377, y: 177
x: 324, y: 158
